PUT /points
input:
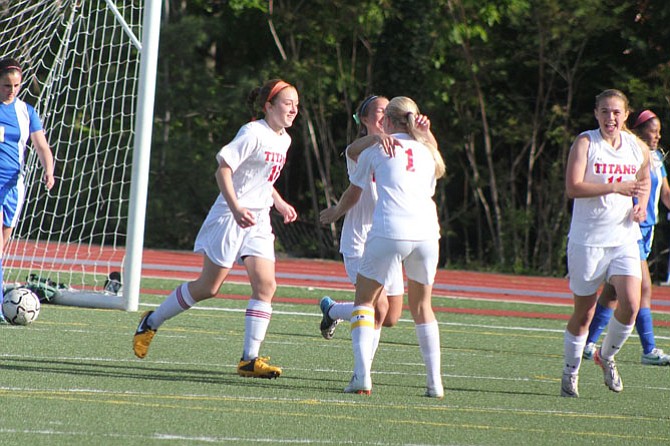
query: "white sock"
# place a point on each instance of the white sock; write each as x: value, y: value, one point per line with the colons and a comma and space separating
x: 573, y: 348
x: 362, y: 337
x: 178, y: 301
x: 375, y: 343
x: 616, y: 336
x: 428, y: 336
x: 341, y: 310
x: 256, y: 322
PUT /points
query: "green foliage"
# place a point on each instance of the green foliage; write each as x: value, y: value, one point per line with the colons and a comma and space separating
x: 507, y: 86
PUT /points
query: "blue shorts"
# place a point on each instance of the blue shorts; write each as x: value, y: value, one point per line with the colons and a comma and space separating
x: 645, y: 241
x: 12, y: 199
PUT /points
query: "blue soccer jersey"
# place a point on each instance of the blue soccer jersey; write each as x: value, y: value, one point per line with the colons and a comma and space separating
x: 658, y: 172
x: 17, y: 121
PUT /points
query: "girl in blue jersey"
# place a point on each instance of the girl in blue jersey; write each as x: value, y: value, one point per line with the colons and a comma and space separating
x: 648, y: 127
x: 19, y: 123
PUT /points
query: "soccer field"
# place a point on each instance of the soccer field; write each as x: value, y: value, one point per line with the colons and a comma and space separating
x: 71, y: 378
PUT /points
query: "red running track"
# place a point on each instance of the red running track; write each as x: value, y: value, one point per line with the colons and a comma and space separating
x: 328, y: 275
x: 449, y: 283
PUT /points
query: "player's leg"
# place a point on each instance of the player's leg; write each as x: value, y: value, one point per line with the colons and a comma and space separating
x: 7, y: 205
x: 179, y: 300
x: 335, y: 312
x: 587, y: 270
x: 626, y: 277
x: 603, y: 313
x: 363, y: 333
x: 644, y: 324
x: 421, y: 267
x: 394, y: 295
x: 257, y: 318
x: 258, y: 255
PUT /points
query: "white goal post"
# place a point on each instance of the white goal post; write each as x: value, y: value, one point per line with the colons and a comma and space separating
x: 89, y: 69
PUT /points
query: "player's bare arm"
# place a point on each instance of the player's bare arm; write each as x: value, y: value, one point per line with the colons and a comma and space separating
x: 348, y: 199
x: 286, y: 210
x: 224, y: 178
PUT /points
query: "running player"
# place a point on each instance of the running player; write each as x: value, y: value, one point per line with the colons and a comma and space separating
x: 237, y: 228
x: 648, y: 127
x: 405, y: 230
x: 18, y: 124
x: 605, y: 168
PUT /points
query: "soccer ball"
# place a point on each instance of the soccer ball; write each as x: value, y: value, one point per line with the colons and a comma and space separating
x: 20, y: 306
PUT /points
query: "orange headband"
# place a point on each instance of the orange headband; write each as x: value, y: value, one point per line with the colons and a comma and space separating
x: 279, y: 86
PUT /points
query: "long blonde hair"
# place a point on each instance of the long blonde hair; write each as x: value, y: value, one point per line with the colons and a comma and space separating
x: 402, y: 112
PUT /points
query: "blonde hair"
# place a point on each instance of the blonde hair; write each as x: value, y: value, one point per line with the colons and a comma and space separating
x: 402, y: 112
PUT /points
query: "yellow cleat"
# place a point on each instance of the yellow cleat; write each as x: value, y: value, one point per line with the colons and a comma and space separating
x: 258, y: 368
x: 143, y: 336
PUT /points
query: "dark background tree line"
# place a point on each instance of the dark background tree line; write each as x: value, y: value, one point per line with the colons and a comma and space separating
x: 507, y: 85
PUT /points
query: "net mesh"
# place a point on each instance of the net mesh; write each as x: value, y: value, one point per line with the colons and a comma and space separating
x: 80, y: 63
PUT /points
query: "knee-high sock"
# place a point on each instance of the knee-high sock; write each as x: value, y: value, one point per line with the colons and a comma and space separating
x: 341, y: 310
x: 362, y: 338
x: 600, y: 320
x: 644, y: 325
x: 178, y: 301
x: 573, y: 348
x: 616, y: 336
x: 428, y: 336
x: 375, y: 343
x: 256, y: 322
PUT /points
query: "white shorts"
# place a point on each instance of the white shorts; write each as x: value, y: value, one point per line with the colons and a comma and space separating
x: 589, y: 267
x: 395, y: 288
x: 383, y: 255
x: 226, y: 243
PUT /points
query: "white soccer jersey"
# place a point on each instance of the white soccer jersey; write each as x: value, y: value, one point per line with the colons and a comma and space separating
x: 405, y: 183
x: 17, y: 121
x: 256, y: 156
x: 358, y: 220
x: 606, y: 220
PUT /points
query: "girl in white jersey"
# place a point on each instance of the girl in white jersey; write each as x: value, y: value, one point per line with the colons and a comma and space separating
x: 237, y: 228
x: 19, y: 123
x: 357, y: 210
x: 606, y: 168
x: 648, y: 127
x: 405, y: 230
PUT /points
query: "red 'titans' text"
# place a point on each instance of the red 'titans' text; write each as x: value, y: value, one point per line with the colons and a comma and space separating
x: 614, y: 169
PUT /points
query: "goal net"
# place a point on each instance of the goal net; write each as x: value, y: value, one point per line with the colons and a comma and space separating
x: 81, y: 72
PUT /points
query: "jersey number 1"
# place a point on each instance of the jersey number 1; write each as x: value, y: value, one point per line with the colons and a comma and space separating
x: 410, y: 160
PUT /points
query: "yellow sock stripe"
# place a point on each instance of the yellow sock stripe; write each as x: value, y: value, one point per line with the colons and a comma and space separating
x: 363, y: 323
x: 364, y: 312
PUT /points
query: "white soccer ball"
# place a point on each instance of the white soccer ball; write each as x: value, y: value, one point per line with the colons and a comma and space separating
x: 21, y: 306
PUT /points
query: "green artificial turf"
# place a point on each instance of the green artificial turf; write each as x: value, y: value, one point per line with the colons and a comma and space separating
x: 71, y: 378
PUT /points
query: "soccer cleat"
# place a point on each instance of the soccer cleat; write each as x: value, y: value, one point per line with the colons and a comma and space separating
x: 435, y: 392
x: 588, y: 350
x: 258, y: 368
x: 610, y: 372
x: 570, y: 385
x: 328, y: 324
x: 655, y: 357
x: 143, y: 336
x: 2, y: 318
x: 361, y: 386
